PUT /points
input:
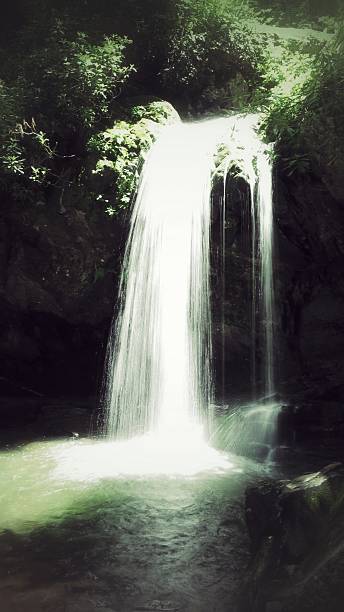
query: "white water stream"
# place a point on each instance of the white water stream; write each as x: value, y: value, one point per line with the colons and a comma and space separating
x: 158, y: 373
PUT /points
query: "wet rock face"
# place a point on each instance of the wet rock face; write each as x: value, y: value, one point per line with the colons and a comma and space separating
x: 59, y: 273
x: 310, y: 243
x: 309, y: 285
x: 297, y: 537
x: 231, y: 278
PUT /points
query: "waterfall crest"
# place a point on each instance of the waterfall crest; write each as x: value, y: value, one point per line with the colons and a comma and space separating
x: 158, y: 371
x: 253, y: 159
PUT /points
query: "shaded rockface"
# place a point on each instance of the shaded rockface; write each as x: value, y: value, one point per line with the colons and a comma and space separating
x: 296, y: 533
x: 309, y: 259
x: 311, y: 240
x: 231, y: 274
x: 59, y: 274
x: 310, y: 231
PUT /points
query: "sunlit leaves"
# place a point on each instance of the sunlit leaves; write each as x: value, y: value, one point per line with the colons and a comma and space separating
x: 120, y: 151
x: 308, y: 123
x: 64, y: 89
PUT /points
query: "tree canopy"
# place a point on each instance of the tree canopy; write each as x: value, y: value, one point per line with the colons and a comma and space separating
x: 71, y: 73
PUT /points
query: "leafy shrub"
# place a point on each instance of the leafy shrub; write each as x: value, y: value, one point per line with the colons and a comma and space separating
x: 64, y: 90
x: 158, y: 111
x: 120, y: 151
x: 308, y: 123
x: 79, y: 79
x: 298, y: 12
x: 190, y: 50
x: 209, y: 46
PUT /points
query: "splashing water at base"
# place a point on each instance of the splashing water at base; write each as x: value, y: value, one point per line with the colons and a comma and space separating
x: 147, y: 455
x: 248, y: 430
x: 76, y: 536
x: 41, y: 480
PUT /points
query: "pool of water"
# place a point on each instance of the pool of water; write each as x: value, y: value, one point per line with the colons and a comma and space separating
x: 78, y: 533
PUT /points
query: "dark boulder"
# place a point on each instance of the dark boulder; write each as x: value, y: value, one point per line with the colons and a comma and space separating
x: 296, y: 529
x: 58, y: 283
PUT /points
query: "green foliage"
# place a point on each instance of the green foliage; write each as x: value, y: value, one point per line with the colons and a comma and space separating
x: 63, y: 90
x: 308, y: 123
x: 10, y: 150
x: 119, y: 148
x: 209, y: 46
x: 65, y: 94
x: 120, y: 151
x: 25, y: 151
x: 78, y: 78
x: 158, y: 111
x: 316, y: 13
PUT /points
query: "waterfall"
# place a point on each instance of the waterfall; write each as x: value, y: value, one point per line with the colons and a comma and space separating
x: 158, y: 368
x: 265, y: 257
x: 158, y: 365
x: 249, y: 156
x: 256, y: 423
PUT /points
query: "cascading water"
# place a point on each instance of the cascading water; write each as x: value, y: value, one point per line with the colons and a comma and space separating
x: 252, y: 157
x: 158, y: 373
x: 256, y: 422
x: 265, y: 257
x: 158, y: 367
